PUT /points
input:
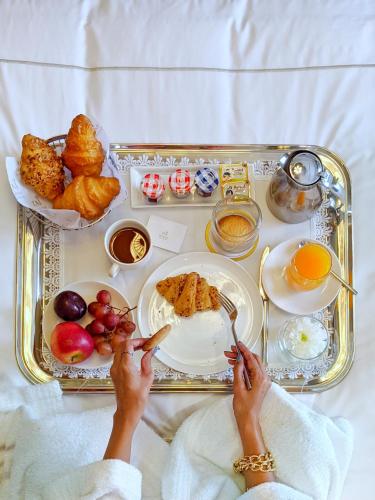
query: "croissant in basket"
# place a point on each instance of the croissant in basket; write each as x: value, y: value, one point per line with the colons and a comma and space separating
x: 83, y: 153
x: 90, y: 196
x: 41, y: 168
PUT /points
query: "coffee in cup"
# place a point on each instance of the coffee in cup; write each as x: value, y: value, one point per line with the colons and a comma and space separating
x: 128, y: 245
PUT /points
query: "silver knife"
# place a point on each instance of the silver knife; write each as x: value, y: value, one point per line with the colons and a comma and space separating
x: 265, y: 300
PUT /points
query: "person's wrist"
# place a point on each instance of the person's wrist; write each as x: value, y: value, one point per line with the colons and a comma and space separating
x: 126, y: 419
x: 249, y: 427
x: 248, y: 419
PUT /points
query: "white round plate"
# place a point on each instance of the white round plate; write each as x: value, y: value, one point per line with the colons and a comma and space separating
x: 87, y: 290
x: 290, y: 300
x: 196, y: 344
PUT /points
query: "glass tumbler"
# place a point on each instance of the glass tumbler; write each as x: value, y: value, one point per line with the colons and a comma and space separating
x: 309, y: 268
x: 303, y: 338
x: 235, y: 226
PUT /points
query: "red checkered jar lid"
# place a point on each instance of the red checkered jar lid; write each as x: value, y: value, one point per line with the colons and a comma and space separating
x: 180, y: 182
x: 153, y: 186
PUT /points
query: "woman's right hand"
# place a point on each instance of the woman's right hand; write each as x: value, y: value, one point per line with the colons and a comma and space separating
x: 132, y: 385
x: 247, y: 404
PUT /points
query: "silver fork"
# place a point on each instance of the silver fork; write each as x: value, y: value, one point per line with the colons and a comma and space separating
x: 231, y: 309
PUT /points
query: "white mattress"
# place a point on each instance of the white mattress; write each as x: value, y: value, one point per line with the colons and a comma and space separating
x: 215, y: 72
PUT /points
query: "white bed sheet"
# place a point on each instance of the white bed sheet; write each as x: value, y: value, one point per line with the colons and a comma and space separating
x: 189, y: 72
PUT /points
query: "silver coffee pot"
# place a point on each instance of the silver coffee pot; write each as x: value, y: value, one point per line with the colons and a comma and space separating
x: 296, y: 189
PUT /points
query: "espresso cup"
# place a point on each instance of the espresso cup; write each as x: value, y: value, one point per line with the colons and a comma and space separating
x: 117, y: 265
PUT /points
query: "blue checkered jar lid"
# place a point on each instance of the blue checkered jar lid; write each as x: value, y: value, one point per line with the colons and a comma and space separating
x: 206, y: 179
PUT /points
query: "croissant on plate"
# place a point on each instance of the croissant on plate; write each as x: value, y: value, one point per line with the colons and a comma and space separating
x: 41, y: 168
x: 90, y: 196
x: 83, y: 153
x: 189, y: 293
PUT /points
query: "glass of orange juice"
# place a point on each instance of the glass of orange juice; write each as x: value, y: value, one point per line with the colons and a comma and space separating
x: 309, y: 267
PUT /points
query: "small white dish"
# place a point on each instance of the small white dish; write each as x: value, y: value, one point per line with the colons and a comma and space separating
x: 292, y: 301
x: 196, y: 344
x: 87, y: 290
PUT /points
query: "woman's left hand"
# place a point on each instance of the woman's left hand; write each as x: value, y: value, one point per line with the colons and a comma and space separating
x: 132, y: 385
x: 247, y: 404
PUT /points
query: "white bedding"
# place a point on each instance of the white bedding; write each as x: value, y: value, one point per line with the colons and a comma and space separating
x: 210, y: 72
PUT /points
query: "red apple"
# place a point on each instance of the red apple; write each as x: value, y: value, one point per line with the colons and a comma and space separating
x: 71, y: 343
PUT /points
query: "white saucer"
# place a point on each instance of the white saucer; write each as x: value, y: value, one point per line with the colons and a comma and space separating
x: 87, y: 290
x: 290, y: 300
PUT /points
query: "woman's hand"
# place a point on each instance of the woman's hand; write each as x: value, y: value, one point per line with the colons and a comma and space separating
x: 132, y: 385
x: 247, y: 404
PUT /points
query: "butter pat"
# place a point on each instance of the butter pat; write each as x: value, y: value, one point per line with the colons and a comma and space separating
x: 238, y: 189
x: 234, y: 180
x: 230, y: 173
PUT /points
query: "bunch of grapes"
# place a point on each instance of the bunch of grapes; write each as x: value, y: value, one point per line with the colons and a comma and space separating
x: 111, y: 325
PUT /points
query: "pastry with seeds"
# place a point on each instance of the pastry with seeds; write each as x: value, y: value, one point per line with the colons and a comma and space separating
x: 185, y: 304
x: 41, y: 168
x: 203, y: 299
x: 189, y: 293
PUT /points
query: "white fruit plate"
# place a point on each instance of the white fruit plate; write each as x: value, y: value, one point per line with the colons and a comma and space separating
x: 87, y: 290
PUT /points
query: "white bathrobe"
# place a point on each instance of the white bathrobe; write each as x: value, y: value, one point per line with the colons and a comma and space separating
x: 46, y: 453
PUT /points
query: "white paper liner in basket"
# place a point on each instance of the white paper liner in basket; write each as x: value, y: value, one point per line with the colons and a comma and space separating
x: 66, y: 219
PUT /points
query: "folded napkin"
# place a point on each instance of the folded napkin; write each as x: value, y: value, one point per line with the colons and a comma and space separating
x: 311, y: 451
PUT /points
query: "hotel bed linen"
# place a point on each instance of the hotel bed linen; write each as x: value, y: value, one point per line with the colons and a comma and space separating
x: 203, y: 72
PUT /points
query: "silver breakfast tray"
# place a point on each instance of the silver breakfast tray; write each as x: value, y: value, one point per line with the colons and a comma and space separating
x: 40, y: 274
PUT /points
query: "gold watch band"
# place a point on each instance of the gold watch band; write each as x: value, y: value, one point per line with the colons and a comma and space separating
x: 256, y: 463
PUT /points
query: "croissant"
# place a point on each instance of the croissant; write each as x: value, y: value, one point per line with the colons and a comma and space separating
x: 90, y: 196
x: 41, y: 168
x: 203, y: 299
x: 189, y: 293
x: 185, y: 304
x: 83, y: 153
x: 171, y: 288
